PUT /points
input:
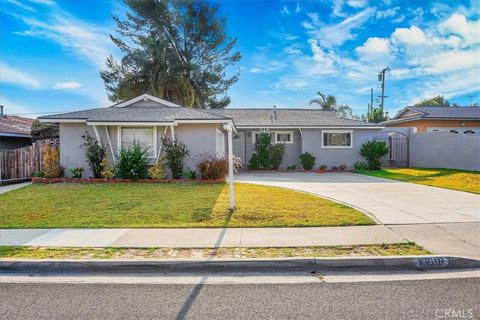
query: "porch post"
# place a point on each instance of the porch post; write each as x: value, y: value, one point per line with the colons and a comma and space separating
x: 229, y: 130
x: 97, y: 135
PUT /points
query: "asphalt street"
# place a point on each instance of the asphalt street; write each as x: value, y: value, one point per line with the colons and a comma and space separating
x: 413, y: 299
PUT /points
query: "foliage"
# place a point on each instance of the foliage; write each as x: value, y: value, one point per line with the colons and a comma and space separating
x: 329, y: 102
x: 158, y: 170
x: 373, y: 151
x: 376, y: 116
x: 262, y: 156
x: 323, y: 167
x: 190, y: 174
x: 175, y: 151
x: 178, y: 50
x: 292, y: 167
x: 94, y: 153
x: 360, y: 165
x: 132, y: 162
x: 38, y: 174
x: 212, y: 168
x: 334, y: 168
x: 277, y: 153
x: 76, y: 172
x: 108, y: 171
x: 437, y: 101
x: 343, y: 167
x: 51, y: 162
x: 307, y: 160
x: 42, y: 131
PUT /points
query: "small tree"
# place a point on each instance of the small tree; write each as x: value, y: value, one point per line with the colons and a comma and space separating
x: 262, y: 158
x: 94, y: 152
x: 51, y: 163
x: 132, y: 162
x: 307, y: 160
x: 277, y: 155
x: 373, y: 151
x: 175, y: 151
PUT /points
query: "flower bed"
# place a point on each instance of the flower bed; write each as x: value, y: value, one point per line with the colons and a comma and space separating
x: 94, y: 180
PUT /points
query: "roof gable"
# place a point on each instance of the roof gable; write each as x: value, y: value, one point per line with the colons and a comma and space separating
x: 146, y: 100
x: 407, y: 113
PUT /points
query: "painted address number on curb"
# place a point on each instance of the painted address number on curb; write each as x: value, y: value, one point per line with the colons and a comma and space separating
x: 436, y: 262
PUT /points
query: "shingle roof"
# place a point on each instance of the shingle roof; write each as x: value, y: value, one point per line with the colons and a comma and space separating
x: 449, y: 112
x: 136, y: 114
x: 15, y: 124
x: 289, y: 117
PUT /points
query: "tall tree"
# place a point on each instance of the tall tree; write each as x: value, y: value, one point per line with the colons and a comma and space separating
x: 438, y: 101
x: 176, y: 49
x: 329, y: 102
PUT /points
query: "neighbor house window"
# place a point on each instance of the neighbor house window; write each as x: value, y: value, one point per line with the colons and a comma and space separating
x: 144, y: 135
x: 284, y: 137
x: 336, y: 139
x: 469, y: 131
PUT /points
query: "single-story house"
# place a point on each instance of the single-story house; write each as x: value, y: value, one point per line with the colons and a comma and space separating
x: 15, y: 131
x: 429, y: 119
x: 333, y: 140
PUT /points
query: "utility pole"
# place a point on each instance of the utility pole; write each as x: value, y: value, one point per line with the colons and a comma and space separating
x: 370, y: 107
x: 381, y: 77
x: 471, y: 100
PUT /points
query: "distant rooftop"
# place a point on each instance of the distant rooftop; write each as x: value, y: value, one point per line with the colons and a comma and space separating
x: 15, y: 125
x: 448, y: 112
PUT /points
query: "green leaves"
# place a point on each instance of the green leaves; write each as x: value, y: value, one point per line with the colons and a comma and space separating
x: 373, y: 151
x: 175, y: 151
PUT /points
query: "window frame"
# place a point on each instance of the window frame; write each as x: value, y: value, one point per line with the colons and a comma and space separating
x: 284, y: 132
x: 154, y: 156
x: 337, y: 131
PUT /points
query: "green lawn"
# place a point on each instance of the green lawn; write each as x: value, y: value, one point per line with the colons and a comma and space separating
x: 461, y: 180
x: 148, y: 205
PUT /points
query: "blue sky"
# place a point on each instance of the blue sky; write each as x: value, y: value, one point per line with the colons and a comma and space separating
x: 51, y: 52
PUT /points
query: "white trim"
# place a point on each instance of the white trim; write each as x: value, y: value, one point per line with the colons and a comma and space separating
x: 62, y: 120
x: 161, y: 144
x: 97, y: 135
x: 337, y: 131
x: 155, y: 132
x: 305, y: 127
x: 110, y: 144
x: 283, y: 132
x: 130, y: 124
x: 229, y: 130
x: 172, y: 132
x: 223, y: 143
x: 202, y: 121
x: 147, y: 97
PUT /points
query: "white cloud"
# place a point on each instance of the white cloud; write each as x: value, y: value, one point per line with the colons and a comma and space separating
x: 409, y: 36
x: 457, y: 24
x: 387, y: 13
x: 357, y: 3
x: 256, y: 70
x: 68, y: 85
x: 45, y: 2
x: 17, y: 77
x: 21, y: 5
x: 374, y: 49
x: 285, y: 10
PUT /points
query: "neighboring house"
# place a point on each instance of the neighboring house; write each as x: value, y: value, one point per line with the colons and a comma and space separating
x: 334, y: 141
x: 427, y: 119
x: 14, y: 131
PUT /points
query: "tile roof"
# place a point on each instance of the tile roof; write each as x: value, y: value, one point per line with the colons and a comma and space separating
x: 15, y: 124
x: 449, y: 112
x: 289, y: 117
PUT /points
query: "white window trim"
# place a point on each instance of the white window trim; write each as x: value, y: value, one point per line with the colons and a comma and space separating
x: 155, y: 142
x: 338, y: 131
x: 223, y: 143
x: 284, y: 132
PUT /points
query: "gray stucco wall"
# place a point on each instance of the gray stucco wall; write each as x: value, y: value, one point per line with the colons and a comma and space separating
x: 198, y: 138
x: 445, y: 150
x: 312, y: 142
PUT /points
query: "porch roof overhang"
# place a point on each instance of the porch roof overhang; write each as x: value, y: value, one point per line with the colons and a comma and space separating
x: 310, y: 127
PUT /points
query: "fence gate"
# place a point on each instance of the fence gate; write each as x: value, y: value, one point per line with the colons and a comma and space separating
x: 398, y: 151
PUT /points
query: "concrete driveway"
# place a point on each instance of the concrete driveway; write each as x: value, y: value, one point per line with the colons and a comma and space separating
x: 388, y: 201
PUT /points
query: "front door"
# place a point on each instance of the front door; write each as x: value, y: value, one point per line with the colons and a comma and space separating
x: 239, y: 145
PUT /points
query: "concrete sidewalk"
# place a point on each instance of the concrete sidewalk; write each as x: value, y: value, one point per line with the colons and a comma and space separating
x: 201, y: 238
x: 10, y: 187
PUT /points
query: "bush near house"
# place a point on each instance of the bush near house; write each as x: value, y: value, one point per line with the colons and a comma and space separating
x: 94, y: 153
x: 51, y: 163
x: 158, y: 170
x: 266, y: 155
x: 277, y: 154
x: 373, y: 151
x: 175, y: 151
x: 108, y: 171
x: 212, y: 168
x: 307, y: 160
x: 132, y: 162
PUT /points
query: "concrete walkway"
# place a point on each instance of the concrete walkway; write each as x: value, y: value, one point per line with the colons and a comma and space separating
x: 15, y: 186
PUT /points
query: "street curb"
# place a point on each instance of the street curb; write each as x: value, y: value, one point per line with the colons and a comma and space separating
x: 404, y: 263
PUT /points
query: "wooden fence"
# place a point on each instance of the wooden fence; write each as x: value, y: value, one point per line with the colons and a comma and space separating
x: 20, y: 164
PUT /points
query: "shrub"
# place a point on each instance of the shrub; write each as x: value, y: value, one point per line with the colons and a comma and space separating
x: 158, y: 170
x: 108, y: 171
x: 373, y: 151
x: 51, y: 162
x: 323, y: 167
x: 254, y: 162
x: 76, y: 172
x: 263, y: 150
x: 360, y: 165
x: 343, y: 167
x: 190, y: 174
x: 38, y: 174
x: 175, y: 151
x: 212, y: 167
x: 132, y: 162
x: 291, y: 167
x: 94, y: 152
x: 334, y: 168
x: 277, y: 152
x: 307, y: 160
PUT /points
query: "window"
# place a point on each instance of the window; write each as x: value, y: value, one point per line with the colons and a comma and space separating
x: 144, y: 135
x: 284, y: 137
x: 336, y: 139
x: 469, y: 131
x: 453, y: 131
